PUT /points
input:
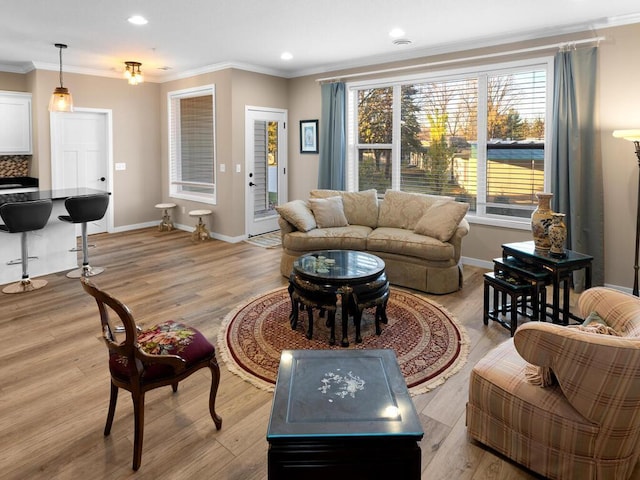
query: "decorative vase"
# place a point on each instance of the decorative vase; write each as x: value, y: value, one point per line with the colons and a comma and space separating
x: 541, y: 220
x: 557, y: 234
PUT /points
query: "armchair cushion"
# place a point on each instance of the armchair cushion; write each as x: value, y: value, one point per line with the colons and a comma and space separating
x: 167, y: 338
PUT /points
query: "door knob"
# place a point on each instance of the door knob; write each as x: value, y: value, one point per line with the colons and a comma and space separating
x: 102, y: 179
x: 251, y: 184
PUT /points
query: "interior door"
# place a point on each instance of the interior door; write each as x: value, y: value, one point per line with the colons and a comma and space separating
x: 266, y: 167
x: 80, y: 155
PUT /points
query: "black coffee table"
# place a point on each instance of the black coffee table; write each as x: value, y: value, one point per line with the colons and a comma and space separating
x: 357, y: 278
x: 342, y: 414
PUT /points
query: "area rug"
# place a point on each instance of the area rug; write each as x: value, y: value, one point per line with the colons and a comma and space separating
x: 266, y: 240
x: 429, y: 343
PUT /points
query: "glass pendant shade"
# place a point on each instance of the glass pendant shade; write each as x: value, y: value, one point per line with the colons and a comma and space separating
x: 132, y: 73
x: 61, y: 100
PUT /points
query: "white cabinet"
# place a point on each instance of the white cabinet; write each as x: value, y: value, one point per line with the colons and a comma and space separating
x: 15, y: 123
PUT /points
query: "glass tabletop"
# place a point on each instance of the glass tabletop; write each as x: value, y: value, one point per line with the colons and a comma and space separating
x: 529, y: 249
x: 339, y: 265
x: 328, y: 393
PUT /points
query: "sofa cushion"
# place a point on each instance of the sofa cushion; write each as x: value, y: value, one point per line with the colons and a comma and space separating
x: 441, y: 219
x: 360, y: 208
x: 405, y: 242
x: 352, y: 237
x: 403, y: 210
x: 328, y: 212
x: 298, y: 214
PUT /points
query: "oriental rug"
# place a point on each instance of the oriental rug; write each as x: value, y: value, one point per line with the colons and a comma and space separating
x: 429, y: 343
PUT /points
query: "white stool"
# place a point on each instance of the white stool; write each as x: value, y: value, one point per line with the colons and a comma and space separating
x: 200, y: 232
x: 166, y: 225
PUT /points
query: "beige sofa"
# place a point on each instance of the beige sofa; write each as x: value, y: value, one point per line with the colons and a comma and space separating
x: 565, y: 401
x: 418, y: 236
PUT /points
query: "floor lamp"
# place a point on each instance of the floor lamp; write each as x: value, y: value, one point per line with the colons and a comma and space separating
x: 634, y: 136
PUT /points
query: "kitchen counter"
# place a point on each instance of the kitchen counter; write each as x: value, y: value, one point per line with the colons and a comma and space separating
x: 45, y: 195
x: 53, y: 245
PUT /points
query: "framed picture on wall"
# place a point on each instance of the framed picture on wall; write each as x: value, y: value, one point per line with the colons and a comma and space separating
x: 308, y: 136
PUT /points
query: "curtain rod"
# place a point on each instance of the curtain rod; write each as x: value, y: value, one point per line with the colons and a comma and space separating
x: 467, y: 59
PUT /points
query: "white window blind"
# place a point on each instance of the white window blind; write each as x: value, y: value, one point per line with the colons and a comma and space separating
x: 192, y: 144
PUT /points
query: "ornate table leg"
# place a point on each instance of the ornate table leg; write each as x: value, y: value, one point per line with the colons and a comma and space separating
x: 345, y: 293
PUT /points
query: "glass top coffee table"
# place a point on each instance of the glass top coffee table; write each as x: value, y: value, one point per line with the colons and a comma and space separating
x: 357, y: 279
x: 347, y: 413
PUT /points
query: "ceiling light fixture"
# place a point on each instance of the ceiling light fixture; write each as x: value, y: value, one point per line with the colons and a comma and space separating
x: 402, y: 42
x: 286, y: 56
x: 137, y: 20
x: 396, y: 33
x: 61, y: 100
x: 132, y: 73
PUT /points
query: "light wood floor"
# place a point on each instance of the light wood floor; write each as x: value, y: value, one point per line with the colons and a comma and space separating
x: 54, y: 381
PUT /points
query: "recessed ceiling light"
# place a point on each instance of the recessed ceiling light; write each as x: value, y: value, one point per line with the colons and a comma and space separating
x: 138, y: 20
x: 286, y: 56
x: 396, y: 33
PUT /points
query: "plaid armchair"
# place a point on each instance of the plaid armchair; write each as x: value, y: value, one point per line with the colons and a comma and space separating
x: 586, y: 424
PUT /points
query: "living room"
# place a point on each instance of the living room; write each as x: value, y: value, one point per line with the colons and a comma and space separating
x: 140, y: 139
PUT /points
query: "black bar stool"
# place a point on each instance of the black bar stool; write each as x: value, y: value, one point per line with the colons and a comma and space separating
x: 83, y: 209
x: 23, y: 217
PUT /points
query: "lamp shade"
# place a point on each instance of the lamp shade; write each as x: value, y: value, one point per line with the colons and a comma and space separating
x: 61, y: 100
x: 631, y: 135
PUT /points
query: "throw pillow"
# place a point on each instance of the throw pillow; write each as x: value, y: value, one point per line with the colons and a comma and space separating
x: 539, y: 376
x: 298, y: 214
x: 441, y: 219
x: 360, y: 208
x: 328, y: 212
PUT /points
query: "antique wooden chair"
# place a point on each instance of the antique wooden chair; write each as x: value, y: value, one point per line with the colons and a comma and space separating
x: 155, y: 357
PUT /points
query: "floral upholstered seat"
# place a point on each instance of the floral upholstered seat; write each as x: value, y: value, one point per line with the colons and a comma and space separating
x: 159, y: 356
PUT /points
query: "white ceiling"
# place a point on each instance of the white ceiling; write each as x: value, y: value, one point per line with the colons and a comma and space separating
x: 191, y: 36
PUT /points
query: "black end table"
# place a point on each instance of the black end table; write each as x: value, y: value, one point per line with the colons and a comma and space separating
x: 560, y: 269
x: 343, y: 414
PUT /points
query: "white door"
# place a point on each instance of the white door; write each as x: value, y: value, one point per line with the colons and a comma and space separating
x: 80, y: 155
x: 265, y: 167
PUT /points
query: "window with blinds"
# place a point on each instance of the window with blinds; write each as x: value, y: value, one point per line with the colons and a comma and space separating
x: 192, y: 144
x: 478, y: 136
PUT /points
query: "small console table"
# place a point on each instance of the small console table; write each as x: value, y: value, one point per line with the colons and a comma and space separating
x: 560, y: 269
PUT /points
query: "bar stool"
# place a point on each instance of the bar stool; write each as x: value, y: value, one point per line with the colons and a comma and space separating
x: 83, y: 209
x: 200, y: 232
x: 23, y: 217
x: 166, y: 224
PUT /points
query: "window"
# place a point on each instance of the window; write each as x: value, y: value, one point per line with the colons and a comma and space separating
x: 479, y: 136
x: 192, y: 163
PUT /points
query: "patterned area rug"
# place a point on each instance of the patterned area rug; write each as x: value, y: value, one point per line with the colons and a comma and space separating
x: 266, y: 240
x: 429, y: 344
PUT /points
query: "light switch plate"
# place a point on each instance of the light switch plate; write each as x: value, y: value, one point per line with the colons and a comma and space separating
x: 121, y: 166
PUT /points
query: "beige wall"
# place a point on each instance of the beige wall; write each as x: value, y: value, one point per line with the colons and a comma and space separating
x: 235, y: 89
x: 136, y: 136
x: 140, y: 140
x: 619, y: 101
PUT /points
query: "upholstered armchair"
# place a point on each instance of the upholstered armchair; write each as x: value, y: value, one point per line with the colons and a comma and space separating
x: 585, y: 423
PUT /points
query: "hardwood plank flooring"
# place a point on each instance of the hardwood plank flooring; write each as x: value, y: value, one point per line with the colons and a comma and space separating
x: 54, y: 381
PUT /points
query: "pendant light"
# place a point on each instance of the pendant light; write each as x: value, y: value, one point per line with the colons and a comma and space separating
x: 61, y: 100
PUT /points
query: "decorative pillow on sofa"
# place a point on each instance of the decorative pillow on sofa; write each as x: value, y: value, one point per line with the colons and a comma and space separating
x: 360, y: 208
x: 298, y: 214
x: 404, y: 209
x: 328, y: 212
x: 441, y: 219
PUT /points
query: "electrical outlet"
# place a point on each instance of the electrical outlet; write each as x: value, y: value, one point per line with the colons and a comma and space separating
x: 238, y: 168
x: 184, y: 209
x: 223, y: 167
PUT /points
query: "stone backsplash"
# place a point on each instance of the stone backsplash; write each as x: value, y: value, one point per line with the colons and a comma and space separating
x: 14, y: 165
